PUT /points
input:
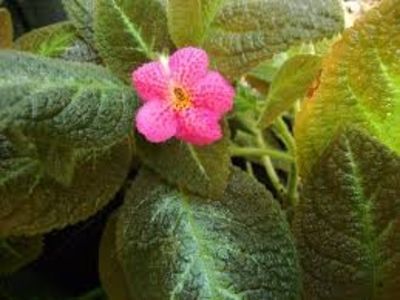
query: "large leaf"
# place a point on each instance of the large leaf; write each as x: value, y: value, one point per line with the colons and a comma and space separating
x: 16, y: 252
x: 64, y: 148
x: 126, y: 31
x: 81, y: 12
x: 59, y: 40
x: 348, y: 222
x: 6, y: 29
x: 173, y: 245
x: 241, y: 34
x: 200, y: 170
x: 359, y: 85
x: 291, y: 83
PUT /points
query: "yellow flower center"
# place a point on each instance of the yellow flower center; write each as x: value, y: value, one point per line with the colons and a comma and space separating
x: 181, y: 99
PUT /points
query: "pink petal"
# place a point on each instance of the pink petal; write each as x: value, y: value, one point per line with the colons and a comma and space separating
x: 199, y: 126
x: 188, y: 65
x: 156, y: 121
x: 151, y: 82
x: 214, y: 93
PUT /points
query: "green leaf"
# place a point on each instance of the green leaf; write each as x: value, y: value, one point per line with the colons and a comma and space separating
x: 16, y: 252
x: 81, y: 13
x: 173, y: 245
x: 111, y: 272
x: 241, y: 34
x: 6, y: 29
x: 200, y: 170
x: 348, y: 222
x: 128, y: 32
x: 59, y: 40
x: 359, y: 86
x: 290, y: 84
x: 64, y: 141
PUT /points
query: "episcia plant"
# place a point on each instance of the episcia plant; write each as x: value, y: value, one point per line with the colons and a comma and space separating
x: 256, y: 145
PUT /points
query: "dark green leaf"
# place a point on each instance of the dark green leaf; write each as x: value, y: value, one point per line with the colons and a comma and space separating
x: 16, y: 252
x: 348, y: 222
x: 200, y: 170
x: 64, y: 146
x: 81, y: 12
x: 290, y: 84
x: 172, y: 245
x: 241, y: 34
x: 128, y: 32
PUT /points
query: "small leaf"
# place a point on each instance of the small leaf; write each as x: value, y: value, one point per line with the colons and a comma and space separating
x: 59, y: 40
x: 16, y: 252
x: 348, y: 222
x: 81, y: 13
x: 173, y: 245
x: 128, y: 32
x: 64, y: 141
x: 200, y: 170
x: 241, y: 34
x: 6, y: 29
x: 290, y: 84
x: 359, y: 86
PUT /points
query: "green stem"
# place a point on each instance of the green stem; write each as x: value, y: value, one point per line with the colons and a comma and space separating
x: 287, y: 138
x: 269, y: 168
x: 250, y: 151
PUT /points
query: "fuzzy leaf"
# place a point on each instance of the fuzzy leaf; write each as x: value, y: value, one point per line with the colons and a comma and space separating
x: 290, y: 84
x: 17, y: 252
x: 200, y: 170
x: 6, y: 29
x: 241, y: 34
x: 348, y: 222
x: 64, y: 148
x: 127, y: 31
x: 173, y: 245
x: 81, y: 12
x: 59, y: 40
x: 359, y: 86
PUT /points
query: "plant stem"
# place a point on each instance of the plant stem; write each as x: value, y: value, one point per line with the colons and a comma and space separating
x: 252, y: 151
x: 287, y: 138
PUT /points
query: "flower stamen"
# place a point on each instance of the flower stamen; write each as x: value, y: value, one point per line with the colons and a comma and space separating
x: 181, y: 99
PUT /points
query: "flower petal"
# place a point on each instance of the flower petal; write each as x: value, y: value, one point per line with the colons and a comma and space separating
x: 214, y: 93
x: 156, y: 121
x: 199, y: 126
x: 188, y: 65
x: 151, y: 82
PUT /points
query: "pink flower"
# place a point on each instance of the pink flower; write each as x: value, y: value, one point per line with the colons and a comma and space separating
x: 182, y: 98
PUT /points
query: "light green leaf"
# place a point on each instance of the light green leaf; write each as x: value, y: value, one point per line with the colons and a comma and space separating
x: 173, y: 245
x: 359, y: 86
x: 59, y: 40
x: 64, y: 141
x: 200, y: 170
x: 6, y: 29
x: 17, y: 252
x: 128, y: 32
x: 81, y: 13
x: 290, y: 84
x: 241, y: 34
x: 348, y: 221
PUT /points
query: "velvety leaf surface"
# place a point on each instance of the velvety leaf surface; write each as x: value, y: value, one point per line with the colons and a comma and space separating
x: 359, y: 85
x: 59, y: 40
x: 64, y: 148
x: 6, y: 29
x: 81, y: 12
x: 290, y: 84
x: 174, y: 245
x: 200, y: 170
x: 241, y: 34
x: 16, y: 252
x: 126, y: 30
x: 348, y: 222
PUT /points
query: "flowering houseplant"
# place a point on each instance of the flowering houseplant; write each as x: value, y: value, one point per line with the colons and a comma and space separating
x: 255, y: 145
